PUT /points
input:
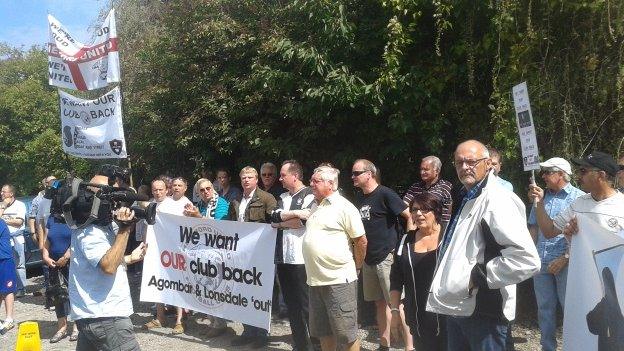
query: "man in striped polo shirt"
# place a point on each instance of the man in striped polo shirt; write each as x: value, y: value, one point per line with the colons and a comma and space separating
x: 430, y: 182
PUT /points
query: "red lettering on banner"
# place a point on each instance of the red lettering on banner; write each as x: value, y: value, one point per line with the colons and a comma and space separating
x: 86, y: 54
x: 173, y: 260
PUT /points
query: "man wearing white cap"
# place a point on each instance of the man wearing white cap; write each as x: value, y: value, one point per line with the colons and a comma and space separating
x: 550, y: 282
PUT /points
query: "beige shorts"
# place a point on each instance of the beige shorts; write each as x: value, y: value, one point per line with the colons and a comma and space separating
x: 376, y: 280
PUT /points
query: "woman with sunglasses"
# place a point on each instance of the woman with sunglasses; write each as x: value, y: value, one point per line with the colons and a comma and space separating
x: 412, y: 272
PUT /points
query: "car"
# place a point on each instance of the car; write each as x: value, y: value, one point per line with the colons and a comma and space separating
x: 34, y: 260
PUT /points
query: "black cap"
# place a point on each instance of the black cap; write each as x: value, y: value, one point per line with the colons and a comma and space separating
x: 599, y: 160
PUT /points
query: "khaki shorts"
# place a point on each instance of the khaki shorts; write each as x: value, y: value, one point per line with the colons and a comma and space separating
x: 333, y: 311
x: 376, y: 280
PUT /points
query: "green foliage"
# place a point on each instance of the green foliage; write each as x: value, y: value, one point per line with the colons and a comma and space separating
x: 30, y: 147
x: 224, y: 83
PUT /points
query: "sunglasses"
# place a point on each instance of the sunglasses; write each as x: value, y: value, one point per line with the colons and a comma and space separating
x: 422, y: 210
x: 205, y: 189
x: 584, y: 170
x: 357, y: 173
x: 267, y: 174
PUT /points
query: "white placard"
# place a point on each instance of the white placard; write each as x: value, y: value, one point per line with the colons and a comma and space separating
x: 526, y: 129
x: 594, y: 300
x: 221, y: 268
x: 92, y: 128
x: 74, y: 65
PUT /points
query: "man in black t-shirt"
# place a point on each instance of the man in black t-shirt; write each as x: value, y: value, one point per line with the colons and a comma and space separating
x: 379, y: 207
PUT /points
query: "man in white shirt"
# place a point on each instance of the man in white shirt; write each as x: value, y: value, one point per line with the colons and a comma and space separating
x: 14, y: 216
x: 174, y: 205
x: 602, y: 203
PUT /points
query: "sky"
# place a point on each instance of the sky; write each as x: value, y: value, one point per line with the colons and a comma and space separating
x: 24, y: 23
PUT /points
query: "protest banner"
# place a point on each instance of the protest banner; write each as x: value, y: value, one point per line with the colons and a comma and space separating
x: 221, y: 268
x: 594, y: 300
x: 526, y: 128
x: 74, y: 65
x: 92, y: 128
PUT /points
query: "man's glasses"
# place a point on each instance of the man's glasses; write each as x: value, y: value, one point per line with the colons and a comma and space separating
x: 584, y: 170
x: 469, y: 163
x: 205, y: 189
x: 357, y: 173
x: 267, y: 174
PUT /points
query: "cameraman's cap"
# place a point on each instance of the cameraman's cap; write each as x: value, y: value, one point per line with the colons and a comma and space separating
x: 598, y: 160
x: 557, y: 162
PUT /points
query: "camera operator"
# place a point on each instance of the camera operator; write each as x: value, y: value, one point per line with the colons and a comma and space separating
x: 98, y: 285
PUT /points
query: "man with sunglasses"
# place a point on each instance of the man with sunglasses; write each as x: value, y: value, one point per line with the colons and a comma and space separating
x: 550, y: 283
x: 269, y: 183
x: 379, y: 208
x: 486, y: 250
x: 603, y: 203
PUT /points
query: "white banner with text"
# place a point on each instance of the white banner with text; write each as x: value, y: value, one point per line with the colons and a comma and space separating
x: 74, y: 65
x: 93, y: 128
x: 594, y: 302
x: 221, y: 268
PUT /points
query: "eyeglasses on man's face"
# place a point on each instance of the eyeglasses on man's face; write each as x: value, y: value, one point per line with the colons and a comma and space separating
x: 468, y: 162
x: 357, y: 173
x: 584, y: 170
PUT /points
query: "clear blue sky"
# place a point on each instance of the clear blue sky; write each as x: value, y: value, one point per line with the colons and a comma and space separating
x: 25, y: 22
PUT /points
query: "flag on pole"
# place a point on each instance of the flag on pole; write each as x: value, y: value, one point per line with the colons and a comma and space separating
x: 74, y: 65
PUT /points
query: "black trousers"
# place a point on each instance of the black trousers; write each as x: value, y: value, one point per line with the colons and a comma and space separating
x: 60, y: 276
x: 292, y: 278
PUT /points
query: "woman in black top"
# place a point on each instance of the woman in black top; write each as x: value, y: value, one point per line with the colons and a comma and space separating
x: 412, y: 272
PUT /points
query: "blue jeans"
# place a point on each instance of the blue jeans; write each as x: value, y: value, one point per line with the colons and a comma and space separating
x: 476, y: 334
x: 548, y: 290
x: 20, y: 261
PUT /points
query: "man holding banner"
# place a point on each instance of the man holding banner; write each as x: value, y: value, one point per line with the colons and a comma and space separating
x: 255, y: 206
x: 550, y: 283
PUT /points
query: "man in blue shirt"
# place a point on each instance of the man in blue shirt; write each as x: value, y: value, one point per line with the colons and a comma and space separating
x: 98, y: 285
x: 8, y: 278
x: 550, y: 283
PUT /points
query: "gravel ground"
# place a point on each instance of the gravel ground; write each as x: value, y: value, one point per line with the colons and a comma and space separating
x: 31, y: 308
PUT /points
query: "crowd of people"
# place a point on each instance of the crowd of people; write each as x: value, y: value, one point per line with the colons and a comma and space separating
x: 440, y: 264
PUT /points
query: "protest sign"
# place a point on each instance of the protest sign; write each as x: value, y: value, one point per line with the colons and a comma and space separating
x: 221, y: 268
x: 526, y: 129
x: 83, y: 67
x: 595, y: 290
x: 93, y: 128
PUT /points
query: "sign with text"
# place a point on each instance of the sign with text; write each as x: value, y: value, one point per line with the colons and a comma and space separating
x: 526, y: 128
x: 593, y: 318
x: 93, y: 128
x: 74, y: 65
x: 221, y: 268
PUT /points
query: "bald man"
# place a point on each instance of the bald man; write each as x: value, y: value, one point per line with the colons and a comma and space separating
x: 486, y: 250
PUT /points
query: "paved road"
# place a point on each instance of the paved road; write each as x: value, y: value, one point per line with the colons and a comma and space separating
x: 31, y: 308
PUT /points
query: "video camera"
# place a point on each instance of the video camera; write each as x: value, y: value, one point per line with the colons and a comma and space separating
x: 83, y: 203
